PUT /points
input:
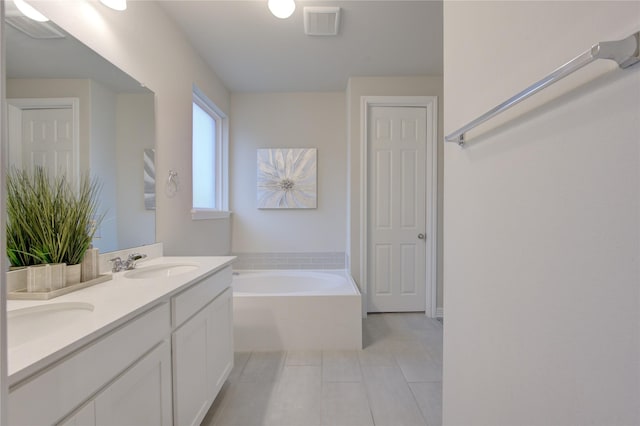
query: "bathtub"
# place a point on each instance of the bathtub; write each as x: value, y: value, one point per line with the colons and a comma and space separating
x: 296, y: 310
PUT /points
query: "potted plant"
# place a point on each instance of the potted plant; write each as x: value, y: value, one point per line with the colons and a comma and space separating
x: 49, y: 221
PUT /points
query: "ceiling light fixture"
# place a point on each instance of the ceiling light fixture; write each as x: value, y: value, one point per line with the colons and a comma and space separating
x: 115, y: 4
x: 28, y: 11
x: 281, y: 8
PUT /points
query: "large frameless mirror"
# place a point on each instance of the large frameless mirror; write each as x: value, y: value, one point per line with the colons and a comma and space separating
x: 71, y: 111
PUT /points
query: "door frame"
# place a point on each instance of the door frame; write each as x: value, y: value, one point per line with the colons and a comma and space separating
x: 431, y: 188
x: 15, y: 122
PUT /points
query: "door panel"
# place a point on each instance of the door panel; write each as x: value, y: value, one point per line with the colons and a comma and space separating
x: 47, y: 141
x: 396, y: 209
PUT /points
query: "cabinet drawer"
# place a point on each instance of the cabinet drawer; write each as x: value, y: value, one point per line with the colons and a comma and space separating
x: 49, y: 396
x: 196, y: 297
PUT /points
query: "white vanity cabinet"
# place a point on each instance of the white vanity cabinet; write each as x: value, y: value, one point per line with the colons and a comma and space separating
x: 202, y: 346
x: 49, y: 396
x: 162, y: 366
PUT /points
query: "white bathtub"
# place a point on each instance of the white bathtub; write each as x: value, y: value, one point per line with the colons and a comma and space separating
x: 296, y: 310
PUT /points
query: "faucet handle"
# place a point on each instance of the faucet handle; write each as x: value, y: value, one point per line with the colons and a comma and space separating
x: 116, y: 264
x: 131, y: 260
x: 136, y: 256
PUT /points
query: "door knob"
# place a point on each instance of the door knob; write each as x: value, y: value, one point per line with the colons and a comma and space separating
x: 421, y: 236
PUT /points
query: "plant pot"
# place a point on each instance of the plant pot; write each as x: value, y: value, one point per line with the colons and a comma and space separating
x: 74, y: 273
x: 58, y: 275
x: 43, y: 278
x: 90, y: 265
x: 17, y: 278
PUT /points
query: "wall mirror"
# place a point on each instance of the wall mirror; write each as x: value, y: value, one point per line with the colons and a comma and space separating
x: 70, y: 110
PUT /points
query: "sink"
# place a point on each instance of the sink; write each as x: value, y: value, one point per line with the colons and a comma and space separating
x: 161, y: 271
x: 33, y: 322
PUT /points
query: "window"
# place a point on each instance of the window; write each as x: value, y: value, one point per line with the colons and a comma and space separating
x: 209, y: 159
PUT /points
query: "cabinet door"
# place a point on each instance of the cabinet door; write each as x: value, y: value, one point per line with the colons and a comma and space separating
x: 202, y: 359
x: 141, y: 395
x: 221, y: 349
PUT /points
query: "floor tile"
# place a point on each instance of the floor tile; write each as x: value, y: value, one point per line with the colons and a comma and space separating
x: 263, y: 367
x: 239, y: 361
x: 297, y: 398
x: 377, y: 356
x: 340, y: 366
x: 429, y: 399
x: 345, y: 404
x: 416, y: 363
x: 245, y: 404
x: 390, y: 398
x: 395, y: 380
x: 304, y: 358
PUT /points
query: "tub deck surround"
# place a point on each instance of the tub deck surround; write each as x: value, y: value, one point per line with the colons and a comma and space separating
x: 304, y: 260
x: 296, y: 310
x: 115, y: 302
x: 293, y: 283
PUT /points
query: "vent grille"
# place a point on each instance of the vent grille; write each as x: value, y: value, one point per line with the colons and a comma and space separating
x: 34, y: 29
x: 321, y: 21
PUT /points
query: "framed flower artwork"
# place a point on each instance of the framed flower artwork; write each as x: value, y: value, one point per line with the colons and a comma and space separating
x: 287, y: 178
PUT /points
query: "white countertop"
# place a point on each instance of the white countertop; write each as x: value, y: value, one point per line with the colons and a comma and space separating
x: 115, y: 302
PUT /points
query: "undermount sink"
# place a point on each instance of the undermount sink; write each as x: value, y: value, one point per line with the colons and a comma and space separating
x: 33, y: 322
x: 161, y: 271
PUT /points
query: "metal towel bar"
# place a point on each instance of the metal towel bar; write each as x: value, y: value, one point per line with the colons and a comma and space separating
x: 625, y: 52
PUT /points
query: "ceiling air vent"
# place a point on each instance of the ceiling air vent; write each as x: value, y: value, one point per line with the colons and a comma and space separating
x: 34, y: 29
x: 321, y: 21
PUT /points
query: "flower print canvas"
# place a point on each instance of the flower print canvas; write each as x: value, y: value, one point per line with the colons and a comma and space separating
x: 287, y: 178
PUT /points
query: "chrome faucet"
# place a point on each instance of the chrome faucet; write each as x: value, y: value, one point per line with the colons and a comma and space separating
x: 117, y: 264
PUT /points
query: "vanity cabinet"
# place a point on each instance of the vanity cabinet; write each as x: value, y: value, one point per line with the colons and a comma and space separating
x: 161, y: 367
x: 49, y: 396
x: 202, y: 347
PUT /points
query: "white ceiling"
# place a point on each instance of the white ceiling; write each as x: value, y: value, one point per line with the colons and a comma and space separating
x: 252, y: 51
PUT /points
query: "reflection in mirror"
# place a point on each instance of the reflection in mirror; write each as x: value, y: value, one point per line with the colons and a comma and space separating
x: 71, y: 111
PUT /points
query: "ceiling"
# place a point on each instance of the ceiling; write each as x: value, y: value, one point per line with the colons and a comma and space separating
x: 253, y: 51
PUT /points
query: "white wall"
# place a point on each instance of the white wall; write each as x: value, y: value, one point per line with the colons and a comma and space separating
x: 542, y: 219
x: 384, y: 86
x: 288, y: 120
x: 103, y: 164
x: 146, y: 44
x: 135, y: 133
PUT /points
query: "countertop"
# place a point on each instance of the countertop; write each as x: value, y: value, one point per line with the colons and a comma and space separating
x: 115, y: 302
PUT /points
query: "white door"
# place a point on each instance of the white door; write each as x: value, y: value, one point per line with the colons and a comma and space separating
x: 43, y: 137
x: 396, y: 209
x: 47, y: 140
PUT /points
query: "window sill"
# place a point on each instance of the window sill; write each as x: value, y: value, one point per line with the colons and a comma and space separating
x: 206, y: 214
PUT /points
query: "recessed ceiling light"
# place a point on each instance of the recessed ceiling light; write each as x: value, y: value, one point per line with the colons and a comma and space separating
x: 281, y: 8
x: 115, y: 4
x: 28, y: 11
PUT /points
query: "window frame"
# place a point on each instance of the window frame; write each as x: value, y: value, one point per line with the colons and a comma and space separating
x: 221, y: 166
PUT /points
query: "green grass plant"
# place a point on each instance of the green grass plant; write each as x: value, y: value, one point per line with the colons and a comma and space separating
x: 48, y: 220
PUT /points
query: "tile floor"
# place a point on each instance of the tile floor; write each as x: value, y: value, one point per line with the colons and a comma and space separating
x: 395, y: 380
